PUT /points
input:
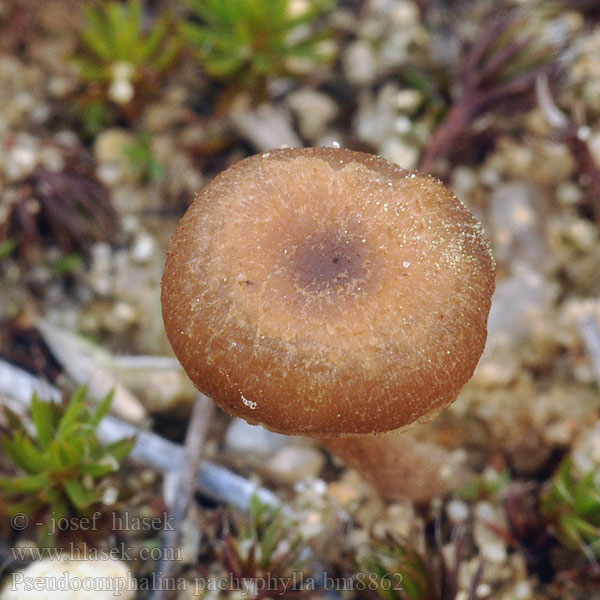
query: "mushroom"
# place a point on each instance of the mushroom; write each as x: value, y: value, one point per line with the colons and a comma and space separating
x: 330, y: 293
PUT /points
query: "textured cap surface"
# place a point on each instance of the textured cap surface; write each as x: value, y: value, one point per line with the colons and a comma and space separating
x: 320, y: 291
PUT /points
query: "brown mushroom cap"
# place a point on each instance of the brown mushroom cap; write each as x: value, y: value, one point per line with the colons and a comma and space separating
x: 327, y: 292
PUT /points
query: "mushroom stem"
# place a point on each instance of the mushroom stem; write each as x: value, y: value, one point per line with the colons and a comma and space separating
x: 400, y: 465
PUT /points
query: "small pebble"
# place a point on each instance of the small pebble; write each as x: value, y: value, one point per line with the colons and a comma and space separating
x: 523, y: 590
x: 402, y: 153
x: 110, y: 145
x: 517, y: 217
x: 491, y: 545
x: 360, y: 64
x: 71, y: 580
x: 515, y: 299
x: 313, y: 487
x: 314, y: 110
x: 143, y: 248
x: 569, y: 193
x: 21, y: 158
x: 253, y: 439
x: 457, y: 511
x: 408, y: 100
x: 294, y: 463
x: 464, y: 181
x: 374, y: 120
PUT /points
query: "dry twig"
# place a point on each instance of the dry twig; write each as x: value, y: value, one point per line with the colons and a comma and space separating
x: 185, y: 486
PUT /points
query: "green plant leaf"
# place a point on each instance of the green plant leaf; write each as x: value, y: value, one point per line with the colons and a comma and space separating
x: 154, y: 41
x: 55, y: 458
x: 215, y: 12
x: 44, y: 415
x: 118, y: 22
x: 58, y: 504
x: 97, y: 36
x: 97, y: 470
x: 24, y: 484
x: 79, y: 495
x: 74, y: 413
x: 271, y: 538
x: 90, y: 71
x: 67, y: 265
x: 13, y: 420
x: 22, y: 450
x: 120, y: 449
x: 27, y: 506
x: 132, y: 15
x: 70, y: 452
x: 101, y: 410
x: 7, y: 247
x: 573, y: 504
x: 168, y: 55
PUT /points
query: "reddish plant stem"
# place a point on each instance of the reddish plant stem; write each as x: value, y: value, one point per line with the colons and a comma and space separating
x: 587, y: 166
x: 456, y: 121
x: 19, y: 25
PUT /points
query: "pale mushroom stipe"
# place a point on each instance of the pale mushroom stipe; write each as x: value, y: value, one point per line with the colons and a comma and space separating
x: 329, y: 293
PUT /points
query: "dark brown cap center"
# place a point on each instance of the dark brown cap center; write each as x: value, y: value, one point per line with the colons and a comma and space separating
x: 329, y: 262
